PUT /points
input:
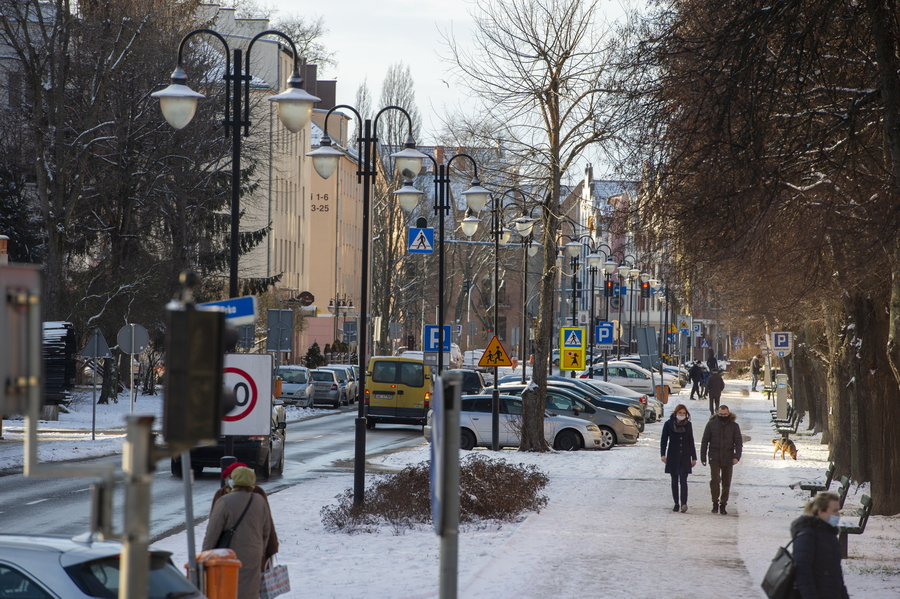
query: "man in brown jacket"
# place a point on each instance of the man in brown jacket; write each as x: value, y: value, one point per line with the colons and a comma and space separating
x: 722, y: 438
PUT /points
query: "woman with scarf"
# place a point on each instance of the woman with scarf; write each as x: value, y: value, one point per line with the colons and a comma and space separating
x: 679, y: 453
x: 817, y: 551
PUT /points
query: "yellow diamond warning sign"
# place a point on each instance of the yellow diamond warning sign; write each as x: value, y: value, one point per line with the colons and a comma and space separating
x: 495, y: 355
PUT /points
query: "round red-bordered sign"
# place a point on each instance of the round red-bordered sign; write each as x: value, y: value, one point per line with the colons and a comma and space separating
x: 252, y: 392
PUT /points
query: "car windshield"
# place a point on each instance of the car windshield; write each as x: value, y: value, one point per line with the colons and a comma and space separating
x: 411, y: 374
x: 293, y: 376
x: 100, y: 578
x: 323, y: 376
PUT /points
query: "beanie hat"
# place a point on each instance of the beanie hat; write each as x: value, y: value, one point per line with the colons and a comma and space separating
x: 243, y: 477
x: 230, y: 468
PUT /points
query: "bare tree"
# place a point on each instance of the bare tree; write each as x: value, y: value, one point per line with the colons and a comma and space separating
x: 540, y: 68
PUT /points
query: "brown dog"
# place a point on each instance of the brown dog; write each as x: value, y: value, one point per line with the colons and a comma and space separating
x: 784, y: 445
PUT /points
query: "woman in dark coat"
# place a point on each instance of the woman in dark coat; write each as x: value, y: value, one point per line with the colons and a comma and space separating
x: 679, y: 453
x: 817, y: 551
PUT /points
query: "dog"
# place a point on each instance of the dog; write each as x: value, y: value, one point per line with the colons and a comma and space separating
x: 784, y: 445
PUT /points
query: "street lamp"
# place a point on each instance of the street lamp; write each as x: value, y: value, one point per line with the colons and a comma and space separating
x: 340, y: 307
x: 622, y: 272
x: 178, y: 104
x: 609, y: 267
x: 409, y: 162
x: 525, y: 226
x: 594, y: 260
x: 476, y: 196
x: 633, y: 274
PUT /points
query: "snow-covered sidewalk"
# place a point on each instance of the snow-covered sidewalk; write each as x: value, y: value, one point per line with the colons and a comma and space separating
x: 608, y: 530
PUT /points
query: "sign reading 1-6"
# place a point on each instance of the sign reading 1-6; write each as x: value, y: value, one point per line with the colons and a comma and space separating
x: 318, y: 202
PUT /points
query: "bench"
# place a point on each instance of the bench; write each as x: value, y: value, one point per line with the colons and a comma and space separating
x: 842, y: 491
x: 790, y: 414
x: 790, y: 428
x: 855, y: 529
x: 814, y: 487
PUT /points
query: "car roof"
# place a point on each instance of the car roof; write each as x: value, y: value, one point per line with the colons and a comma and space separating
x: 292, y: 367
x: 70, y: 550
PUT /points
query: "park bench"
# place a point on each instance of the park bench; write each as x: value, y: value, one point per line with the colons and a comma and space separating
x: 855, y: 529
x: 791, y: 427
x: 790, y: 414
x: 842, y: 490
x: 815, y: 487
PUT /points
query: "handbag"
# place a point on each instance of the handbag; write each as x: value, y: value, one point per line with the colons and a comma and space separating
x: 778, y: 583
x: 273, y: 582
x: 227, y: 534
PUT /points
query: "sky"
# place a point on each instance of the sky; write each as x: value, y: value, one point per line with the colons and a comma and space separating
x: 368, y: 37
x: 608, y: 529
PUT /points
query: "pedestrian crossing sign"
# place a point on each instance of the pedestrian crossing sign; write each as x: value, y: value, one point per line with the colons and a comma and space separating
x: 494, y: 355
x: 421, y: 240
x: 573, y: 359
x: 571, y: 338
x: 705, y: 344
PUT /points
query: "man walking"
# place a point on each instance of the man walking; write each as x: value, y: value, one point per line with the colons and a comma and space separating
x: 754, y: 372
x: 722, y: 439
x: 714, y: 387
x: 695, y: 374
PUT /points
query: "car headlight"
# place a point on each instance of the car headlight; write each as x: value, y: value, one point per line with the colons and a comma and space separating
x: 626, y: 421
x: 593, y: 427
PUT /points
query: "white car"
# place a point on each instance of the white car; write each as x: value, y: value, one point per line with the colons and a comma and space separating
x: 296, y: 386
x: 562, y: 432
x: 632, y: 376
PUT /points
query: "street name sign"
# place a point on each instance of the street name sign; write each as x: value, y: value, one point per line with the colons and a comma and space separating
x: 238, y: 310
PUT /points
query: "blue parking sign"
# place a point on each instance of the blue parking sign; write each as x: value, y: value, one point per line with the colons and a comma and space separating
x: 604, y: 335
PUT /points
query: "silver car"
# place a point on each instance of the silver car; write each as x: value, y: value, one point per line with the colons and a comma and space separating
x: 346, y: 380
x: 56, y: 567
x: 327, y: 387
x: 296, y: 386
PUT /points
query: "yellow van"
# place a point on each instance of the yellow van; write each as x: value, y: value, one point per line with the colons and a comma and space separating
x: 398, y: 390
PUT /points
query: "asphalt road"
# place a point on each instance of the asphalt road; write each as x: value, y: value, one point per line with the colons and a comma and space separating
x: 314, y: 448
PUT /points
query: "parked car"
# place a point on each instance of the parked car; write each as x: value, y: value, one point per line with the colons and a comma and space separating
x: 562, y: 432
x: 473, y: 381
x: 265, y: 454
x: 296, y: 386
x: 345, y: 380
x: 668, y: 369
x: 327, y: 388
x: 631, y: 376
x: 615, y: 427
x: 45, y: 567
x: 651, y: 414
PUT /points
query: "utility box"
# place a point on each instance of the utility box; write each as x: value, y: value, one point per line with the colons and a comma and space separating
x: 21, y: 362
x: 781, y: 395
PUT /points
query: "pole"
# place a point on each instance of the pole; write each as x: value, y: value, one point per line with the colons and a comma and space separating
x: 136, y: 534
x: 619, y: 324
x: 449, y: 563
x: 606, y: 351
x: 591, y: 332
x: 574, y: 305
x: 440, y: 207
x: 495, y: 396
x: 359, y: 462
x: 524, y: 307
x: 94, y: 404
x: 630, y: 314
x: 131, y: 367
x: 187, y: 478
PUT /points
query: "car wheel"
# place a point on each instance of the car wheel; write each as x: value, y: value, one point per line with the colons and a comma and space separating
x: 607, y: 438
x: 265, y: 471
x: 567, y: 441
x: 466, y: 439
x: 370, y: 424
x: 337, y: 403
x: 176, y: 467
x: 641, y: 426
x: 344, y: 401
x: 279, y: 469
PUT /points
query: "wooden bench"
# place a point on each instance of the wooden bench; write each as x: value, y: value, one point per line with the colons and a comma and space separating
x: 790, y: 414
x: 842, y: 491
x: 859, y: 527
x: 814, y: 487
x: 790, y: 428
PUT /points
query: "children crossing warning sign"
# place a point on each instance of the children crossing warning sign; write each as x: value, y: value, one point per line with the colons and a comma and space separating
x: 572, y: 359
x: 495, y: 355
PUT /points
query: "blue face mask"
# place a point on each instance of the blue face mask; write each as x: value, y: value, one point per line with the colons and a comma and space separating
x: 834, y: 520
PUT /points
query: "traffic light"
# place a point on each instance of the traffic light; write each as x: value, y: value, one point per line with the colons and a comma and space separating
x: 609, y: 290
x: 195, y: 362
x: 645, y: 289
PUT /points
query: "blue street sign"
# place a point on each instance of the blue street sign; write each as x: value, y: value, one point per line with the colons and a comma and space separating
x: 620, y: 290
x: 572, y: 338
x: 238, y: 310
x: 421, y: 241
x: 704, y: 344
x: 432, y: 342
x: 671, y: 337
x: 738, y: 342
x: 604, y: 335
x: 782, y: 343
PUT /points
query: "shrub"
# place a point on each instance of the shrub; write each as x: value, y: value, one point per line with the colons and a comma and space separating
x: 489, y: 490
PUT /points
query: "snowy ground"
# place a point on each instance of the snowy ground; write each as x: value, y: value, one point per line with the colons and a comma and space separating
x: 608, y: 524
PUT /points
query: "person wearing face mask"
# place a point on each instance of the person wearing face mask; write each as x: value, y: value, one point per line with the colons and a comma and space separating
x: 679, y: 453
x: 817, y: 551
x: 228, y: 487
x: 722, y: 439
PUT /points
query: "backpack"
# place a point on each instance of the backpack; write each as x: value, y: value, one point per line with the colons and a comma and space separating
x: 778, y: 583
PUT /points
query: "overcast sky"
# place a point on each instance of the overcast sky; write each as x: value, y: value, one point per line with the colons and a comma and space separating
x: 368, y: 36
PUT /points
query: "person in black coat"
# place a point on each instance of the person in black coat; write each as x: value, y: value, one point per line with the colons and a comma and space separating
x: 817, y: 551
x: 715, y: 384
x: 679, y: 453
x: 695, y: 374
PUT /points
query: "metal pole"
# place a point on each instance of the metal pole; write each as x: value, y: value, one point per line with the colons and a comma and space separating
x: 524, y: 307
x: 450, y: 497
x: 359, y: 462
x: 131, y: 367
x: 606, y: 351
x: 591, y: 331
x: 574, y: 305
x: 134, y: 562
x: 440, y: 207
x: 495, y: 396
x: 187, y: 478
x: 94, y: 404
x: 619, y: 324
x: 630, y: 314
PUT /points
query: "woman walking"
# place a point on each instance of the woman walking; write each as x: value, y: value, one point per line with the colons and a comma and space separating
x: 817, y: 551
x: 678, y: 453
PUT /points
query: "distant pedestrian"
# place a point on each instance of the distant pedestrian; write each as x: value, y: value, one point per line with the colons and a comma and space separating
x: 679, y: 453
x: 754, y: 371
x: 722, y: 439
x: 711, y: 362
x: 250, y: 536
x: 703, y: 380
x: 272, y: 545
x: 817, y: 551
x: 695, y: 375
x: 714, y: 387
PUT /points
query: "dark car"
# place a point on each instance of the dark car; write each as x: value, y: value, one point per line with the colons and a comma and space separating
x: 265, y: 454
x: 473, y: 381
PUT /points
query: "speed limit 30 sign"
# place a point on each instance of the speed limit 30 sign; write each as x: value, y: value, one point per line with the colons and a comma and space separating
x: 249, y: 377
